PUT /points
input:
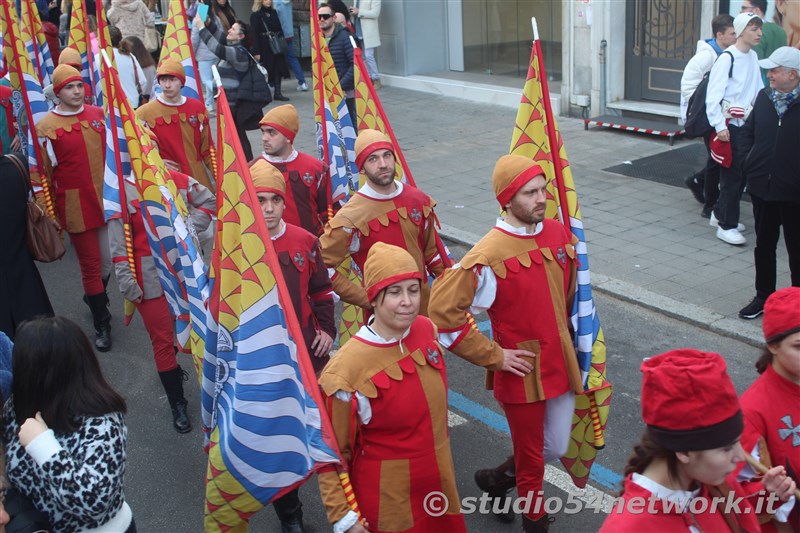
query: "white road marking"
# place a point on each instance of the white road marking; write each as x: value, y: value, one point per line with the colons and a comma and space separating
x: 454, y: 420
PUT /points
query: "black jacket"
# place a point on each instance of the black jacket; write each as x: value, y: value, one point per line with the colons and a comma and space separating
x: 771, y: 164
x: 342, y: 53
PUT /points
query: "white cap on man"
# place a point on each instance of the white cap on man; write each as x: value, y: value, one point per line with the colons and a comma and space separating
x: 741, y: 21
x: 785, y: 56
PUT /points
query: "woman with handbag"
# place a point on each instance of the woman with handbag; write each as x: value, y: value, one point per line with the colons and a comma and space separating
x: 269, y: 44
x: 131, y: 74
x: 22, y: 293
x: 245, y: 86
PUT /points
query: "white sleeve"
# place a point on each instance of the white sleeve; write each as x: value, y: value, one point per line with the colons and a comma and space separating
x: 717, y: 83
x: 486, y: 291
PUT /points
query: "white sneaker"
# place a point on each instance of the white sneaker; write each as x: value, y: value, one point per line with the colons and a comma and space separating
x: 731, y: 236
x: 714, y: 223
x: 302, y: 87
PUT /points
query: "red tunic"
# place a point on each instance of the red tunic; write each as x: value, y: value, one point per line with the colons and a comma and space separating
x: 403, y: 452
x: 676, y: 521
x: 307, y: 200
x: 183, y: 135
x: 309, y: 285
x: 78, y: 142
x: 771, y: 409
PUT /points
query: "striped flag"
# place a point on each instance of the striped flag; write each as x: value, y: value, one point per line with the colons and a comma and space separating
x: 104, y: 44
x: 178, y: 45
x: 536, y: 135
x: 336, y: 136
x: 32, y: 36
x: 261, y: 401
x: 78, y: 39
x: 30, y: 104
x: 170, y: 233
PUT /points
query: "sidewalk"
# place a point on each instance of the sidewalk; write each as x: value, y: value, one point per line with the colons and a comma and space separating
x: 647, y: 242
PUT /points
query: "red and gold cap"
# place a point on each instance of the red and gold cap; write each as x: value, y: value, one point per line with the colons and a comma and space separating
x: 511, y: 173
x: 386, y: 265
x: 284, y: 119
x: 267, y: 178
x: 64, y: 74
x: 369, y: 141
x: 70, y: 56
x: 172, y: 67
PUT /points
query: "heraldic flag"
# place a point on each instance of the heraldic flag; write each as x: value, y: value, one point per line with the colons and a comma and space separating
x: 169, y: 231
x: 27, y: 91
x: 536, y: 135
x: 33, y: 37
x: 336, y: 135
x: 177, y: 44
x: 261, y: 402
x: 78, y: 39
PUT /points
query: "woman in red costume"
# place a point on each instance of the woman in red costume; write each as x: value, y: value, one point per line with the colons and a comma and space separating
x: 771, y: 405
x: 387, y: 398
x: 676, y: 478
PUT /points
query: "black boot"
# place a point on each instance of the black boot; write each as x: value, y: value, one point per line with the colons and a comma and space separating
x: 98, y: 304
x: 172, y: 380
x: 542, y: 525
x: 496, y: 482
x: 290, y: 512
x: 278, y: 95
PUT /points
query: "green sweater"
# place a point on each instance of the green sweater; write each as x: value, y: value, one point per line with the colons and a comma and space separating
x: 772, y: 38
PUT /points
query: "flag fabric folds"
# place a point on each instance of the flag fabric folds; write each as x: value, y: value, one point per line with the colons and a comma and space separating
x: 79, y: 39
x: 32, y: 36
x: 172, y: 238
x: 261, y: 402
x: 536, y: 135
x: 336, y: 135
x: 177, y: 44
x: 27, y: 92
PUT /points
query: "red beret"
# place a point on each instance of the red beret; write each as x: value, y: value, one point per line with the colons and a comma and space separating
x: 782, y: 314
x: 688, y: 401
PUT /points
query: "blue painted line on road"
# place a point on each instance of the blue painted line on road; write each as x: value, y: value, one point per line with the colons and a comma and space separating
x: 599, y: 474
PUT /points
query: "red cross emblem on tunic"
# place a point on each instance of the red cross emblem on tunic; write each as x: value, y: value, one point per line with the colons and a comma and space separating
x: 299, y: 260
x: 308, y: 178
x: 97, y: 125
x: 416, y: 215
x: 193, y: 120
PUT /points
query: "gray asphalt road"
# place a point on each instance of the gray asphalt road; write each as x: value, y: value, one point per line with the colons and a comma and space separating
x: 165, y: 470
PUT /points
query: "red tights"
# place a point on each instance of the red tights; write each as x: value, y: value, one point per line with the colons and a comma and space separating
x: 526, y: 421
x: 160, y: 327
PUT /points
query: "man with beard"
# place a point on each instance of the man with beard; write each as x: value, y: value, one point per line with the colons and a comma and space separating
x: 307, y: 189
x: 383, y: 210
x: 310, y: 288
x: 523, y: 273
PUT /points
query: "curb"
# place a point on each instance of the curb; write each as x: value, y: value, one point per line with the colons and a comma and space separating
x: 735, y: 328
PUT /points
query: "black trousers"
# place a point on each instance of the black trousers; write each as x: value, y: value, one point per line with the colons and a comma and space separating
x: 709, y: 176
x: 731, y: 186
x: 770, y: 216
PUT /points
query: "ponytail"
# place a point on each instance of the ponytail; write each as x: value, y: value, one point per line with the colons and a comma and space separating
x: 644, y: 453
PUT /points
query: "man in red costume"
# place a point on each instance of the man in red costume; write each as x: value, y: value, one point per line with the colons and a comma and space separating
x: 310, y: 288
x: 383, y: 210
x: 306, y: 177
x: 73, y: 138
x: 181, y: 124
x: 523, y: 273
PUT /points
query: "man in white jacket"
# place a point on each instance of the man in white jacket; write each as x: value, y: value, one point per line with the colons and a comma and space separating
x: 728, y: 102
x: 365, y: 15
x: 704, y: 183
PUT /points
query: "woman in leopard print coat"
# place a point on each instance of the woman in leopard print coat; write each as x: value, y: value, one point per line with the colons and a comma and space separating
x: 64, y: 430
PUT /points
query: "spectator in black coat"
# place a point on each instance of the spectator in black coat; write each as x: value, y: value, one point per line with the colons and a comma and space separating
x: 341, y: 48
x: 263, y: 22
x: 769, y: 140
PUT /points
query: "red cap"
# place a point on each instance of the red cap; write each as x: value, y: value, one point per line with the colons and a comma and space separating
x: 781, y: 314
x: 688, y: 401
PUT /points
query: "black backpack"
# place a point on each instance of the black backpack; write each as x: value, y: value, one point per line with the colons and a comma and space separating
x: 696, y: 124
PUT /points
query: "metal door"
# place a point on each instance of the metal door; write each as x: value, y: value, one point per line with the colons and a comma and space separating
x: 661, y: 38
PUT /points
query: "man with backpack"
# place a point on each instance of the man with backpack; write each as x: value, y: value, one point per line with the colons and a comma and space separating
x: 733, y: 83
x: 704, y: 183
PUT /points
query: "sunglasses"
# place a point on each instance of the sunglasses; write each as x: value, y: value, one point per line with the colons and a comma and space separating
x: 324, y: 16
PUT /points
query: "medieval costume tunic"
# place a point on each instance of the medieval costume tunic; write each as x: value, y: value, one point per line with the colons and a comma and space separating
x: 649, y: 506
x: 307, y: 190
x: 404, y: 218
x: 184, y: 135
x: 309, y: 285
x: 526, y: 283
x: 771, y: 409
x: 388, y: 405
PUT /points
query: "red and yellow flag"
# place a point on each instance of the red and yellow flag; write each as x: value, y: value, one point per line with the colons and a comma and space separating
x: 536, y: 135
x: 177, y: 44
x: 80, y: 40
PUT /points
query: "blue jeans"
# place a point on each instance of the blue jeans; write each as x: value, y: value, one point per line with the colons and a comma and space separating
x: 294, y: 63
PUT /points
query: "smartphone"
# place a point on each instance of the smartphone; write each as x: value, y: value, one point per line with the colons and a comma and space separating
x: 202, y: 10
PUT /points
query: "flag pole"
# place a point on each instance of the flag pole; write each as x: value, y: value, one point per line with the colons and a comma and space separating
x: 555, y: 156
